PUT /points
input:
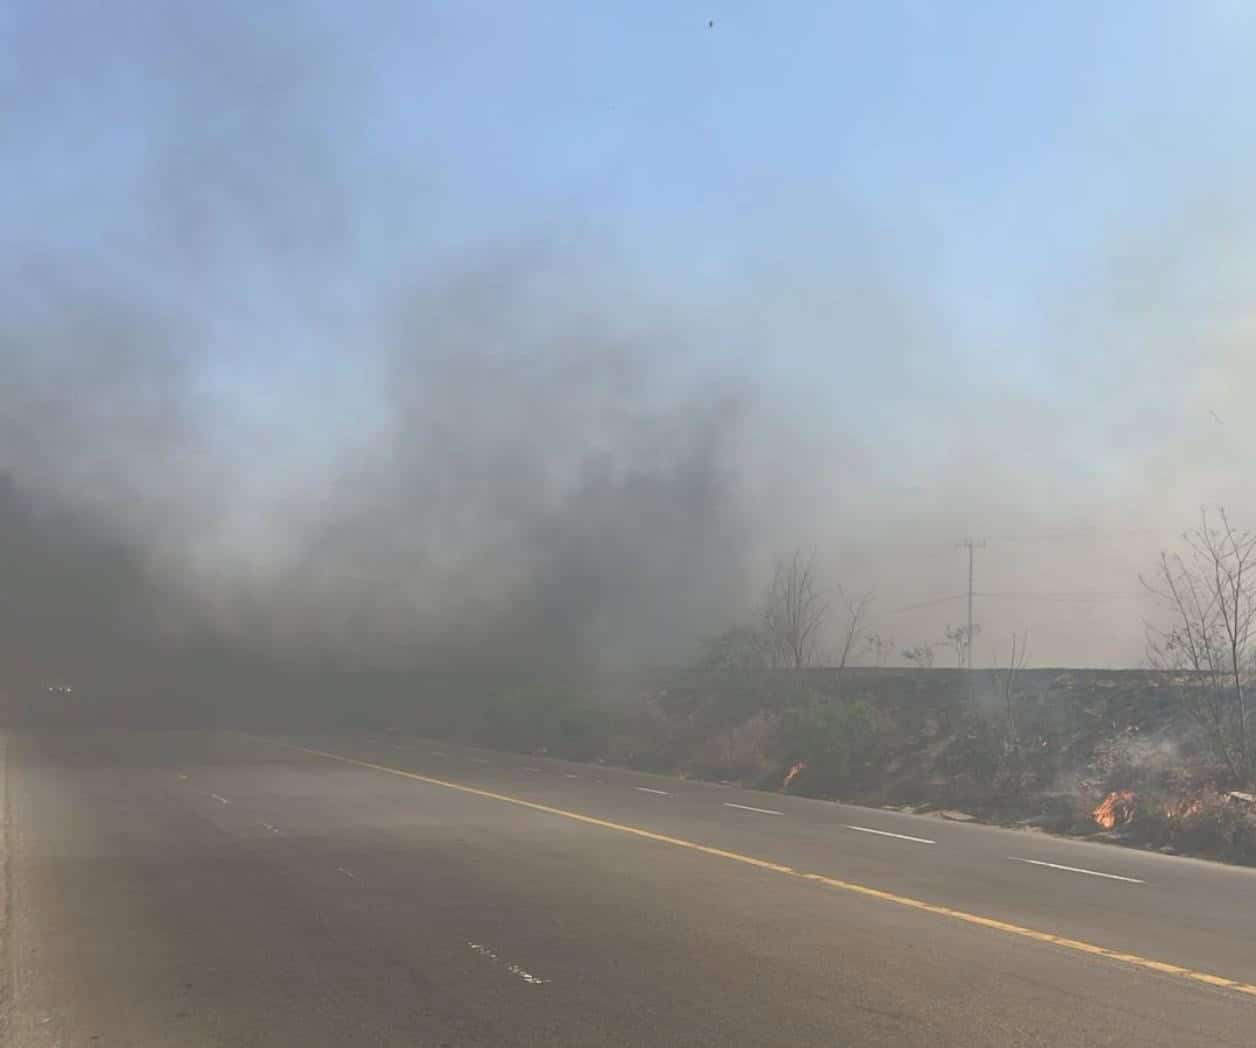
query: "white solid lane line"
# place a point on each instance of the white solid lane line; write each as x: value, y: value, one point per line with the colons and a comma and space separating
x: 746, y: 807
x: 1078, y: 869
x: 646, y: 789
x: 887, y: 833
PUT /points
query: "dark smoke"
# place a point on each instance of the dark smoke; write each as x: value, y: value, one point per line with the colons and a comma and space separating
x: 526, y: 496
x: 519, y: 497
x: 522, y: 493
x: 224, y: 431
x: 321, y: 347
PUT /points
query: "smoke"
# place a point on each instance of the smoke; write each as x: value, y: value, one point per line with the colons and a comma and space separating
x: 521, y: 489
x: 322, y: 338
x: 213, y: 432
x: 524, y: 492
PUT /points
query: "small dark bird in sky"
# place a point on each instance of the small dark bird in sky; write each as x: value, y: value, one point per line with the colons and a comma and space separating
x: 710, y: 23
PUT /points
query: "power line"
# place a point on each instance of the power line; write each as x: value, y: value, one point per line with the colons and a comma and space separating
x: 1063, y: 535
x: 927, y: 603
x: 1077, y: 533
x: 1077, y: 598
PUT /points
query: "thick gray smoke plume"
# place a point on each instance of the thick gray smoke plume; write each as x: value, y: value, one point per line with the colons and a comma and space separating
x: 521, y: 493
x: 527, y: 494
x: 372, y: 337
x: 216, y: 432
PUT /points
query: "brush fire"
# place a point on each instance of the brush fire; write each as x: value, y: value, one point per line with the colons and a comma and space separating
x: 1115, y: 809
x: 1186, y: 809
x: 793, y: 774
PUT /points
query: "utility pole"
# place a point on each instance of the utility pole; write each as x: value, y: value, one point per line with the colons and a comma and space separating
x: 970, y: 544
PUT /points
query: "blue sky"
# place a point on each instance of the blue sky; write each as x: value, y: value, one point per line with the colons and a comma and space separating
x: 958, y: 253
x: 1006, y: 139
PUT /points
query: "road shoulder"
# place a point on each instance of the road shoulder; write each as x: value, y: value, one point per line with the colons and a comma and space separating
x: 6, y: 946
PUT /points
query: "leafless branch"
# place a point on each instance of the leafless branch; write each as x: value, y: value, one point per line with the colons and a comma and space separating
x: 1006, y: 679
x: 856, y: 619
x: 794, y: 612
x: 1208, y: 602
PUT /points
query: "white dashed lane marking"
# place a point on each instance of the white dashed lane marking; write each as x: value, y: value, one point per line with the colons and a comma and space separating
x: 514, y: 969
x: 646, y: 789
x: 747, y: 807
x: 887, y: 833
x: 1076, y: 946
x: 1078, y: 869
x: 220, y: 800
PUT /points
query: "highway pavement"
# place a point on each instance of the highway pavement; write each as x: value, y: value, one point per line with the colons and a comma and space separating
x: 218, y: 888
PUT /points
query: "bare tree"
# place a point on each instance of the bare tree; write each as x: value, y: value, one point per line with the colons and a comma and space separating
x: 881, y: 648
x: 921, y: 656
x: 794, y: 612
x: 1208, y: 596
x: 959, y: 640
x: 1005, y: 678
x: 856, y: 608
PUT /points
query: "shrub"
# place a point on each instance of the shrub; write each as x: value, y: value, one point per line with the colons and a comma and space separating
x: 742, y: 752
x: 835, y: 737
x: 977, y: 752
x: 1212, y: 825
x: 580, y: 733
x: 1130, y: 760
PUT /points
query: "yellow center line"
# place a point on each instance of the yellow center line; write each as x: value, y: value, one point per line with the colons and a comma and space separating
x: 993, y: 924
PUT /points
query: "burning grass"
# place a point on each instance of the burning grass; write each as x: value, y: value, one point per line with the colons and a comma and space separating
x: 1116, y: 809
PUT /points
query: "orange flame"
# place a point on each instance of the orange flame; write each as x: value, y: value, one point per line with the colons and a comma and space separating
x: 1116, y: 807
x: 1186, y: 809
x: 793, y: 774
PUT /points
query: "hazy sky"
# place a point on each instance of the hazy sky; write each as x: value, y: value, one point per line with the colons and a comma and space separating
x: 460, y: 299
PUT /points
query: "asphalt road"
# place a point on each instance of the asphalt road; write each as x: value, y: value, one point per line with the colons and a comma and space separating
x: 221, y: 889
